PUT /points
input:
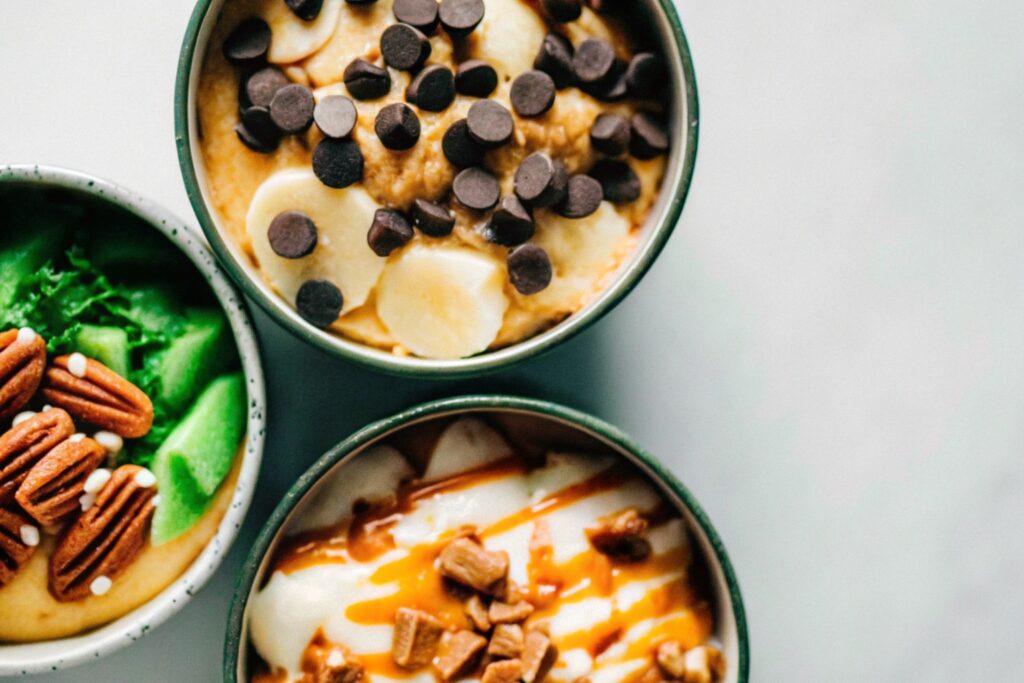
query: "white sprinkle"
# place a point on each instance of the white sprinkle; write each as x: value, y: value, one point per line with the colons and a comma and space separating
x: 96, y: 480
x: 335, y: 658
x: 26, y: 334
x: 77, y: 364
x: 75, y: 438
x: 21, y: 417
x: 47, y: 407
x: 100, y: 585
x: 29, y: 535
x: 110, y: 441
x: 145, y: 478
x: 86, y: 500
x: 156, y: 500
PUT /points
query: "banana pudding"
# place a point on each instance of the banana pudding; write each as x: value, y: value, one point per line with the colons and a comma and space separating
x: 457, y: 549
x: 435, y: 179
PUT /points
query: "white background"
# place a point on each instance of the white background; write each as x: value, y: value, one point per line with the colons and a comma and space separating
x: 830, y: 352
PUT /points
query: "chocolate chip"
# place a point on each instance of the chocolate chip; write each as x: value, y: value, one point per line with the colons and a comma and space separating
x: 390, y: 230
x: 262, y: 85
x: 335, y: 116
x: 610, y: 134
x: 460, y: 17
x: 433, y: 89
x: 319, y: 302
x: 397, y: 126
x: 404, y: 47
x: 476, y: 188
x: 645, y: 75
x: 649, y: 138
x: 459, y: 147
x: 510, y: 224
x: 582, y: 198
x: 555, y: 59
x: 251, y: 141
x: 619, y: 182
x: 307, y: 10
x: 529, y: 269
x: 563, y: 10
x: 541, y: 181
x: 532, y: 93
x: 432, y: 218
x: 419, y: 13
x: 257, y: 122
x: 292, y: 234
x: 475, y: 78
x: 489, y: 123
x: 338, y: 163
x: 292, y: 108
x: 248, y: 43
x: 593, y: 60
x: 610, y: 88
x: 605, y: 6
x: 360, y: 2
x: 366, y: 81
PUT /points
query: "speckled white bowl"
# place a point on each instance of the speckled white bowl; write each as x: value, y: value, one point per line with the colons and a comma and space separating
x: 54, y: 655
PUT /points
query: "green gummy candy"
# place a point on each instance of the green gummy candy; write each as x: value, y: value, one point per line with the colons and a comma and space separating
x: 182, y: 503
x: 194, y: 358
x: 154, y: 309
x: 108, y: 345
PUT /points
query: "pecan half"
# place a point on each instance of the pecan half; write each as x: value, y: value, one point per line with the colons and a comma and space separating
x: 52, y: 489
x: 94, y: 393
x: 18, y: 540
x: 22, y: 361
x: 23, y: 445
x: 105, y: 539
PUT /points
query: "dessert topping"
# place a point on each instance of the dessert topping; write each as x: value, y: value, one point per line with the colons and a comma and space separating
x: 53, y: 486
x: 475, y: 78
x: 619, y: 182
x: 701, y: 664
x: 645, y: 75
x: 582, y: 197
x: 541, y: 180
x: 476, y: 188
x: 490, y: 124
x: 22, y: 416
x: 307, y: 10
x: 563, y: 10
x: 262, y: 85
x: 415, y: 638
x: 555, y: 58
x: 458, y: 653
x: 539, y: 655
x: 397, y: 126
x: 610, y: 134
x: 25, y: 444
x: 505, y: 671
x: 404, y: 47
x: 466, y: 562
x: 649, y: 138
x: 419, y: 13
x: 390, y: 230
x: 366, y: 81
x: 532, y: 93
x: 621, y: 536
x: 98, y: 396
x: 291, y: 109
x: 292, y: 234
x: 459, y: 147
x: 329, y: 663
x: 22, y: 361
x: 335, y: 116
x: 319, y: 302
x: 510, y: 224
x: 593, y: 60
x: 338, y: 163
x: 507, y: 640
x: 109, y: 440
x: 248, y: 43
x: 477, y: 611
x: 529, y: 269
x: 257, y: 130
x: 506, y: 613
x: 431, y: 218
x: 460, y: 17
x: 433, y: 88
x: 15, y: 543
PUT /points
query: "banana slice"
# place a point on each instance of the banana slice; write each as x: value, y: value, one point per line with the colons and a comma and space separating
x: 291, y: 37
x: 342, y: 218
x: 465, y: 445
x: 442, y: 302
x: 357, y: 35
x: 509, y: 37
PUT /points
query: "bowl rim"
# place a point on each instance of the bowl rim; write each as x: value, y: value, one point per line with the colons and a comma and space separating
x: 126, y: 629
x: 630, y: 275
x: 472, y: 403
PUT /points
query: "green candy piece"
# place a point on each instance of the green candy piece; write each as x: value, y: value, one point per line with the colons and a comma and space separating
x: 154, y: 308
x: 182, y: 503
x: 108, y: 345
x: 194, y: 358
x: 26, y: 252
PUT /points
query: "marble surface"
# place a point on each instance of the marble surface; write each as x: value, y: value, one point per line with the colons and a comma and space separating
x: 829, y: 352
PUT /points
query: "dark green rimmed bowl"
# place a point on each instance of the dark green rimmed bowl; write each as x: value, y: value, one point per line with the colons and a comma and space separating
x: 550, y: 421
x: 654, y: 18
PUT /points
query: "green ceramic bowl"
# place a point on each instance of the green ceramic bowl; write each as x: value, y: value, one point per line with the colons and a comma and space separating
x: 658, y: 18
x: 559, y: 424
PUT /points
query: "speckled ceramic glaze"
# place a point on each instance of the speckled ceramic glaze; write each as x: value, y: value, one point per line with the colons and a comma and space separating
x: 731, y: 623
x: 53, y: 655
x: 658, y: 19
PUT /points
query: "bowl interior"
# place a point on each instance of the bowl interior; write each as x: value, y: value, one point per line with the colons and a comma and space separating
x: 653, y: 20
x: 131, y: 212
x: 532, y: 422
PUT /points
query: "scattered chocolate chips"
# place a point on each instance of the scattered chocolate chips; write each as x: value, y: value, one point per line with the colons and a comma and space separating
x: 593, y: 60
x: 335, y: 116
x: 307, y: 10
x: 431, y: 218
x: 610, y: 88
x: 532, y: 93
x: 459, y: 147
x: 251, y: 141
x: 489, y: 123
x: 404, y: 47
x: 248, y: 43
x: 262, y: 85
x: 475, y: 78
x: 540, y: 180
x: 649, y: 138
x: 319, y: 302
x: 390, y: 230
x: 563, y: 10
x: 510, y: 224
x: 338, y: 163
x: 460, y: 17
x: 397, y: 126
x: 529, y: 269
x: 582, y: 198
x: 619, y: 182
x: 366, y: 81
x: 292, y: 234
x: 645, y: 75
x: 419, y: 13
x: 476, y: 188
x: 609, y: 134
x: 257, y: 122
x: 292, y: 108
x: 555, y: 58
x: 433, y: 88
